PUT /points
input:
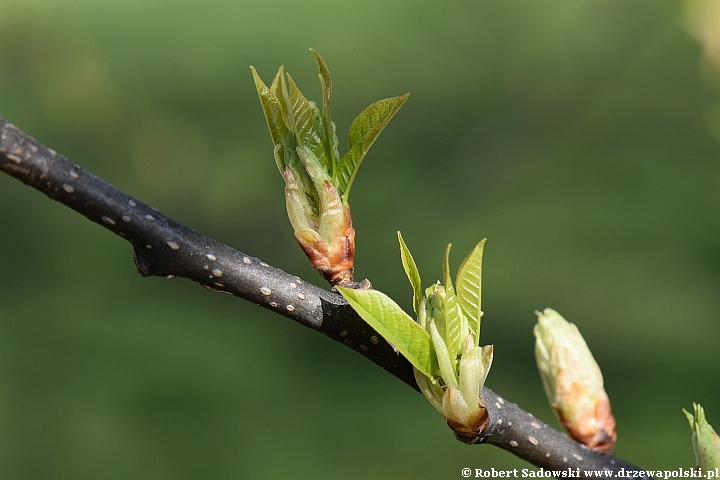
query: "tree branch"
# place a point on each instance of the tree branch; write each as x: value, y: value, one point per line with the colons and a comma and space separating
x: 164, y: 247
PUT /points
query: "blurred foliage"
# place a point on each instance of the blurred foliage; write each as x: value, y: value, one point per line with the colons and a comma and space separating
x: 579, y: 136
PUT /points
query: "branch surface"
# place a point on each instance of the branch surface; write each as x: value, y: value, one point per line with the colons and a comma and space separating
x: 165, y: 247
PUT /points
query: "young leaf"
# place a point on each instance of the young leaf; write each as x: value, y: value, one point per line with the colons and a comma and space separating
x: 470, y: 372
x: 445, y: 363
x: 279, y: 154
x: 326, y: 82
x: 332, y: 215
x: 363, y: 132
x: 455, y: 323
x: 300, y: 173
x: 412, y: 273
x: 316, y: 188
x: 430, y: 388
x: 298, y: 207
x: 396, y: 326
x: 486, y: 357
x: 378, y: 113
x: 303, y: 124
x: 278, y: 87
x: 469, y: 283
x: 447, y: 281
x: 273, y: 110
x: 422, y: 313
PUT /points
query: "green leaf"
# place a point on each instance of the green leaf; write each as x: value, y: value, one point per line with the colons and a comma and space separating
x: 316, y: 188
x: 470, y: 371
x: 363, y: 132
x: 447, y: 281
x: 297, y: 203
x: 396, y: 326
x: 273, y: 110
x: 299, y: 168
x: 279, y: 154
x: 469, y: 288
x: 455, y: 322
x: 326, y: 82
x: 377, y: 114
x: 431, y: 389
x: 445, y: 362
x: 332, y: 214
x: 303, y: 124
x: 278, y: 87
x: 411, y: 270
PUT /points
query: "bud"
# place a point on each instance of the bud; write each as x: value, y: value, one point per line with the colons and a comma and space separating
x: 573, y: 382
x: 323, y: 228
x: 462, y: 365
x: 460, y: 404
x: 462, y: 408
x: 443, y: 345
x: 706, y: 442
x: 317, y: 179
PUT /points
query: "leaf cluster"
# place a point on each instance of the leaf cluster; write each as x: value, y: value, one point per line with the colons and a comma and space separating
x: 434, y: 343
x: 304, y: 135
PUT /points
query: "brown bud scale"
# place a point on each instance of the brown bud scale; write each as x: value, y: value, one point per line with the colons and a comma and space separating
x: 335, y: 261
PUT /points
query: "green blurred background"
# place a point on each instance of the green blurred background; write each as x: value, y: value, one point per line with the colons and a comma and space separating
x: 581, y: 137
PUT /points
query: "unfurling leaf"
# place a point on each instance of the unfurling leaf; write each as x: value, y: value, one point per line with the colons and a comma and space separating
x: 396, y: 326
x: 273, y: 110
x: 363, y: 132
x: 469, y: 288
x: 455, y: 322
x: 445, y: 363
x: 430, y: 388
x: 412, y: 273
x: 330, y: 139
x: 326, y: 82
x: 304, y: 124
x: 469, y: 373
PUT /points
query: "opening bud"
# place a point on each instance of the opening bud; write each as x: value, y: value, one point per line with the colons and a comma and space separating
x: 317, y: 179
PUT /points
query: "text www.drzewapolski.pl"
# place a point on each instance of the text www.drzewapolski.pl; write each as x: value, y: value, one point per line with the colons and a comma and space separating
x: 577, y: 473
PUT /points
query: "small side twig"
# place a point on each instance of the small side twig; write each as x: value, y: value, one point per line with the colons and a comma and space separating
x: 164, y: 247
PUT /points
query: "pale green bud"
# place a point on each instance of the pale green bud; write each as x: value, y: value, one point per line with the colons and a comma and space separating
x: 459, y: 402
x: 705, y: 441
x: 435, y: 295
x: 573, y: 382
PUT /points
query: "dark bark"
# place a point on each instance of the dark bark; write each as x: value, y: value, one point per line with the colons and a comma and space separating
x: 164, y: 247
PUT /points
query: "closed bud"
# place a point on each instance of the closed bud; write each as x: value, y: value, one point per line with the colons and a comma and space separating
x: 706, y: 442
x: 573, y: 382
